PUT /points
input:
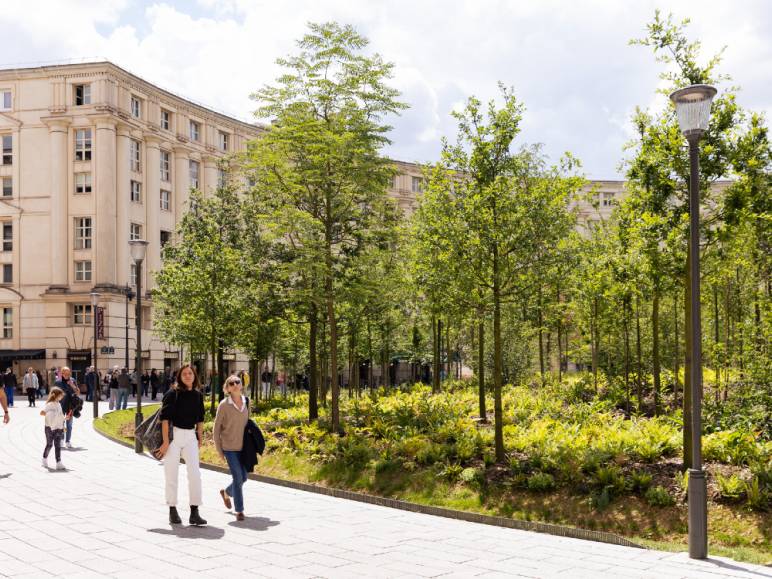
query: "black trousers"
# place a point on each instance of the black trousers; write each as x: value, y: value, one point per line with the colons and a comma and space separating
x: 54, y: 438
x: 31, y: 396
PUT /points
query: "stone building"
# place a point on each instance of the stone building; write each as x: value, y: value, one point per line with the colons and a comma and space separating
x: 93, y: 156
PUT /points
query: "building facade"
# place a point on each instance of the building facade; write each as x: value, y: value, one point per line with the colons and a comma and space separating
x: 93, y: 156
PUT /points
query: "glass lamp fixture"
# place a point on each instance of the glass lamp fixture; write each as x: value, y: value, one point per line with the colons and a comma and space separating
x: 692, y: 106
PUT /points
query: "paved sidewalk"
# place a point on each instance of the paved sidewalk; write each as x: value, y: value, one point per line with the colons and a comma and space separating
x: 105, y: 517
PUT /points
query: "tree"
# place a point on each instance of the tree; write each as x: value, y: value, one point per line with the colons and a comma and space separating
x: 318, y: 170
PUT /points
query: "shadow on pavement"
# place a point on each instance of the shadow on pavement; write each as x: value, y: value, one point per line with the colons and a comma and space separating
x: 191, y: 532
x: 254, y: 523
x: 75, y: 449
x: 6, y: 475
x: 725, y: 565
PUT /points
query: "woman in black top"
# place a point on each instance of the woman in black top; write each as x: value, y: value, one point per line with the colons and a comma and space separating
x: 183, y: 407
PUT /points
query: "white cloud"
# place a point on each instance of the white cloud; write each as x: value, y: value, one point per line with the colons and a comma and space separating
x: 569, y: 62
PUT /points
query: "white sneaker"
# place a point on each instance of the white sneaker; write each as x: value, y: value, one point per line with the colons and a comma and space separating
x: 60, y: 466
x: 68, y: 445
x: 45, y: 463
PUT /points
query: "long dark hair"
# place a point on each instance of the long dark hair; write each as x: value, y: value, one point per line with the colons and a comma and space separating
x: 179, y: 385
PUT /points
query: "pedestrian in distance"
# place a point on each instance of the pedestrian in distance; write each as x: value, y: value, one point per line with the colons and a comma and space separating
x: 67, y: 385
x: 30, y: 386
x: 114, y: 388
x: 182, y: 414
x: 91, y: 380
x: 145, y: 383
x: 42, y: 386
x: 154, y: 382
x: 54, y: 428
x: 124, y: 383
x: 228, y: 433
x: 9, y: 381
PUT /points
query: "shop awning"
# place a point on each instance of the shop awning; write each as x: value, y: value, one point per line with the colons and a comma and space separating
x: 28, y: 354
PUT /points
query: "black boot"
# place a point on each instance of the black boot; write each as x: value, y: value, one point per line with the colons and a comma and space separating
x: 174, y: 516
x: 195, y: 518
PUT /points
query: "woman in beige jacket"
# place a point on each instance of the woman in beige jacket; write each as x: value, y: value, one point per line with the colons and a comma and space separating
x: 228, y: 433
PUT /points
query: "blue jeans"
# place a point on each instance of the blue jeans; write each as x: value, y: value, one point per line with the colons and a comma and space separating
x: 68, y: 430
x: 239, y: 474
x: 9, y: 394
x: 123, y: 398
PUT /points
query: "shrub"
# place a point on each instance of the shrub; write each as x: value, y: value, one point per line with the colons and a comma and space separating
x: 732, y: 447
x: 730, y: 488
x: 659, y: 497
x: 451, y: 472
x: 541, y: 481
x: 609, y: 478
x: 640, y: 481
x: 601, y: 500
x: 472, y: 476
x: 757, y: 496
x: 355, y: 453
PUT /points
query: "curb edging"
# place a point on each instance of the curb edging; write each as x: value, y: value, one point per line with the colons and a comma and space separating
x: 534, y: 526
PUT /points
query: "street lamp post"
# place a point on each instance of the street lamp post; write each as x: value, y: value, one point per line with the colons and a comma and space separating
x: 129, y: 297
x: 692, y: 106
x: 138, y: 248
x: 95, y: 392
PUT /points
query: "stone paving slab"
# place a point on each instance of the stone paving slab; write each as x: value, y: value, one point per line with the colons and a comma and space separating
x: 105, y: 517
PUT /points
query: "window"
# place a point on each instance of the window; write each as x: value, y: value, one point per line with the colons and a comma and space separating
x: 82, y: 271
x: 82, y: 94
x: 7, y: 149
x: 418, y: 185
x: 81, y: 314
x: 165, y: 237
x: 166, y: 120
x: 194, y: 174
x: 82, y: 182
x: 135, y: 152
x: 7, y: 323
x: 195, y: 131
x: 83, y: 145
x: 393, y: 182
x: 5, y: 100
x: 166, y: 200
x: 83, y: 233
x: 7, y: 186
x: 136, y: 108
x: 220, y: 178
x: 135, y: 231
x: 607, y: 199
x: 223, y: 141
x: 165, y: 165
x: 7, y: 236
x: 133, y: 274
x: 136, y: 192
x: 7, y: 273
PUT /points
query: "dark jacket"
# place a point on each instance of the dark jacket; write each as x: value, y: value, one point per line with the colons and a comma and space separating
x: 9, y: 380
x: 254, y: 444
x: 68, y: 401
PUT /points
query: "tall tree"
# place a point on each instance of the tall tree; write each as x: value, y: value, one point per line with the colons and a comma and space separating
x: 319, y: 167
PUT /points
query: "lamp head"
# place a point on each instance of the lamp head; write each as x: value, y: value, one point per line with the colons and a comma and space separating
x: 138, y: 248
x: 692, y: 106
x: 94, y: 299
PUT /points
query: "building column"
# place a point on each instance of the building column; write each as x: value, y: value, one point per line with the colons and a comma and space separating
x: 181, y: 191
x: 105, y: 200
x: 152, y: 207
x: 210, y: 175
x: 58, y: 132
x: 123, y: 196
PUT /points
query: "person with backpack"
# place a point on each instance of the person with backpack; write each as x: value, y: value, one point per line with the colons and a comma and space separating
x: 182, y: 416
x: 228, y: 434
x: 71, y: 402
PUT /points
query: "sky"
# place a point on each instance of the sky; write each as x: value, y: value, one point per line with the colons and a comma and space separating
x: 568, y: 61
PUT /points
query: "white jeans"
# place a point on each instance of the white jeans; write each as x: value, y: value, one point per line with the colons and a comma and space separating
x: 185, y: 444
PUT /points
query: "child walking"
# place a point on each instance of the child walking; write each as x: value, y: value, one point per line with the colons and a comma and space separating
x: 54, y: 426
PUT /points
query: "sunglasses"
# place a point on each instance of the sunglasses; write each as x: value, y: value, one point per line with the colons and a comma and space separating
x: 234, y: 382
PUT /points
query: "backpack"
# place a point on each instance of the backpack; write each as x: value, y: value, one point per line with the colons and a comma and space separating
x: 150, y: 432
x: 76, y: 405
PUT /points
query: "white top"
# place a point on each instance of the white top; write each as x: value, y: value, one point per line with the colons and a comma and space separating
x: 54, y: 415
x: 243, y: 403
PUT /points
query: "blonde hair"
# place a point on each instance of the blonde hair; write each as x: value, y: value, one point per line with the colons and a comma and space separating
x: 55, y: 395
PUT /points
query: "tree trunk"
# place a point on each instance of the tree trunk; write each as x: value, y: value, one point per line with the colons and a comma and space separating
x: 560, y: 336
x: 498, y: 412
x: 594, y: 341
x: 717, y: 342
x: 638, y: 365
x: 676, y: 351
x: 541, y: 338
x: 448, y: 356
x: 436, y: 325
x: 313, y: 384
x: 481, y: 366
x: 220, y: 370
x: 729, y: 336
x: 655, y: 348
x: 626, y: 329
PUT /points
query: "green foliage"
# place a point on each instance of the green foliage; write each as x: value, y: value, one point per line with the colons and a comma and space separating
x: 758, y: 496
x: 659, y: 497
x: 734, y: 447
x: 541, y: 482
x: 640, y: 481
x: 731, y: 488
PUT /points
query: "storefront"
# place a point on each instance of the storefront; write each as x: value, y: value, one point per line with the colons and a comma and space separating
x: 9, y: 357
x: 78, y: 361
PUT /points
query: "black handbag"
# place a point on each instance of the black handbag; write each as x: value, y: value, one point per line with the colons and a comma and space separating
x: 150, y: 432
